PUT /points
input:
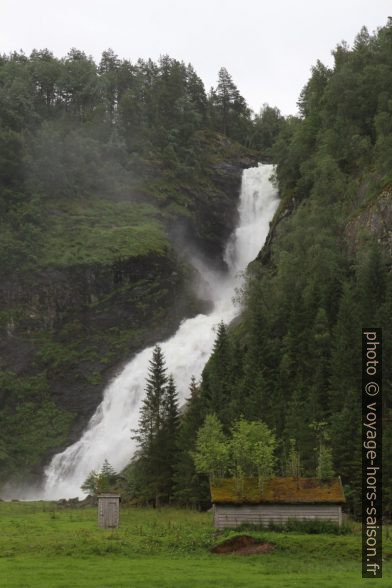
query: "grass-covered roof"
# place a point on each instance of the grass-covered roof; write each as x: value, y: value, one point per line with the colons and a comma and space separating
x: 277, y: 491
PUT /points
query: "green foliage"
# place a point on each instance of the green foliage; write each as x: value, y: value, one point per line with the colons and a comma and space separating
x: 190, y: 488
x: 266, y: 128
x: 212, y: 449
x: 293, y: 467
x: 153, y: 406
x: 325, y: 465
x: 79, y: 144
x: 217, y: 379
x: 83, y: 147
x: 106, y: 480
x: 248, y: 452
x: 100, y: 165
x: 97, y: 231
x: 157, y: 435
x: 169, y: 434
x: 90, y: 484
x: 295, y: 357
x: 228, y: 109
x: 41, y: 425
x: 252, y: 447
x: 312, y: 527
x: 53, y: 547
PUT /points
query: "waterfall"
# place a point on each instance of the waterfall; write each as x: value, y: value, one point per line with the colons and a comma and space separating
x: 108, y: 434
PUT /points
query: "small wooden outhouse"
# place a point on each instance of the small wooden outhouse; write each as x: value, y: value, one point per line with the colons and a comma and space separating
x: 282, y: 499
x: 108, y: 510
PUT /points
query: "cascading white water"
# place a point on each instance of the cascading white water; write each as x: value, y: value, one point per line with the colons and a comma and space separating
x: 108, y: 434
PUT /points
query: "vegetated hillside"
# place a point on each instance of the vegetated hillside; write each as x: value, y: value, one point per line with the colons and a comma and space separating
x: 294, y: 360
x: 108, y: 173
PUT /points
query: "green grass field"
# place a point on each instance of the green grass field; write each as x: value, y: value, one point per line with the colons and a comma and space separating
x: 43, y: 547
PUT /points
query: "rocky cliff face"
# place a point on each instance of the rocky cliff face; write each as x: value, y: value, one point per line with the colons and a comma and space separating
x: 212, y: 208
x: 375, y: 219
x: 83, y: 313
x: 64, y: 332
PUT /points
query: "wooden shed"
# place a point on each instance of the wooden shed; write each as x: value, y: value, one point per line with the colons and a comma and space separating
x: 108, y: 510
x: 281, y: 499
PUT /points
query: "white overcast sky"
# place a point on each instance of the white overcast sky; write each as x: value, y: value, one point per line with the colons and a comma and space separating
x: 267, y: 46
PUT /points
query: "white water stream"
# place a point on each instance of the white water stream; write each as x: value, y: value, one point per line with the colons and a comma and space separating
x: 108, y: 434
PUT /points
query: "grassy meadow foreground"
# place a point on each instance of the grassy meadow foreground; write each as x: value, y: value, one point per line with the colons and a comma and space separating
x: 41, y: 546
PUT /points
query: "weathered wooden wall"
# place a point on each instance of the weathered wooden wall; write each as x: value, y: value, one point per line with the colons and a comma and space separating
x: 254, y: 514
x: 108, y: 512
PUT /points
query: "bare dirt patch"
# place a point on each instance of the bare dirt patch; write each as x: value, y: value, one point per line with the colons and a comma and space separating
x: 242, y: 545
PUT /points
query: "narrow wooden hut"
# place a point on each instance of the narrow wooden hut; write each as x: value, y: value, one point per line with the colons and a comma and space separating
x: 108, y: 510
x: 282, y: 499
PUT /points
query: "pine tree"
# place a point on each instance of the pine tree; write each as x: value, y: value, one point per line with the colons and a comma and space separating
x: 152, y: 409
x: 346, y: 352
x: 371, y: 274
x: 384, y: 320
x: 168, y: 437
x: 226, y: 94
x: 107, y: 478
x: 229, y: 109
x: 217, y: 376
x: 320, y: 355
x: 190, y: 488
x: 149, y: 433
x: 103, y: 481
x: 196, y: 92
x: 266, y: 128
x: 108, y: 70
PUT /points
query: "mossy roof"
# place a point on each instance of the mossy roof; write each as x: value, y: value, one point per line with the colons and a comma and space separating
x: 277, y: 491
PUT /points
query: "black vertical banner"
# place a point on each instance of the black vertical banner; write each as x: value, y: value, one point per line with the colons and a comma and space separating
x: 371, y: 453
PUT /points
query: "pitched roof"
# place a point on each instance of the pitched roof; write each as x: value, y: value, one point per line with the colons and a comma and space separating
x: 278, y: 491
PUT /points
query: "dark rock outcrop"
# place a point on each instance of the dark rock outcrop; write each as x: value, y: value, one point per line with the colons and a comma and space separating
x: 375, y: 220
x: 74, y: 327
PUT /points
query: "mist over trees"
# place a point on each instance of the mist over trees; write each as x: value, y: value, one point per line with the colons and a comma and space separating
x: 70, y: 127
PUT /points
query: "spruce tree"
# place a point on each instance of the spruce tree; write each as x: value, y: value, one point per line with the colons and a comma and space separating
x: 229, y: 109
x: 149, y: 433
x: 190, y: 488
x: 107, y: 477
x: 371, y: 274
x: 384, y: 320
x: 152, y: 409
x: 217, y: 376
x: 168, y: 437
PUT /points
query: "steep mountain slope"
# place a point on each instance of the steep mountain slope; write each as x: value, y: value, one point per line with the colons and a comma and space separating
x: 294, y: 359
x: 112, y: 177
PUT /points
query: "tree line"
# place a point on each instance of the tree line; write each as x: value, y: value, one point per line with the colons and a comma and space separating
x: 293, y: 361
x: 71, y: 127
x: 165, y: 451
